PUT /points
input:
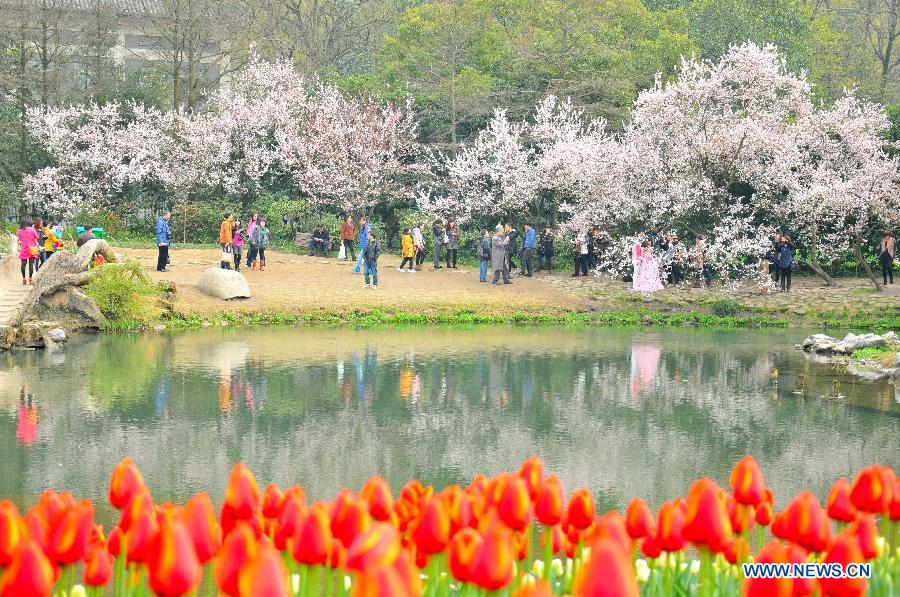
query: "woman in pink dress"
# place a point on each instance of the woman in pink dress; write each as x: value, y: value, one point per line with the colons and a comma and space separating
x: 28, y: 248
x: 646, y: 277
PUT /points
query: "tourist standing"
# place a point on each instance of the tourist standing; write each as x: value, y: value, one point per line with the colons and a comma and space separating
x: 28, y: 248
x: 647, y: 279
x: 512, y: 234
x: 419, y: 243
x: 547, y: 250
x: 225, y: 237
x: 500, y: 254
x: 786, y: 262
x: 452, y: 244
x: 372, y: 252
x: 38, y: 225
x: 484, y: 255
x: 528, y: 244
x: 886, y: 255
x: 677, y: 262
x: 364, y: 229
x: 53, y: 242
x: 237, y: 244
x: 437, y: 231
x: 592, y: 234
x: 261, y: 241
x: 348, y: 232
x: 163, y: 240
x: 251, y: 248
x: 407, y: 251
x: 772, y: 258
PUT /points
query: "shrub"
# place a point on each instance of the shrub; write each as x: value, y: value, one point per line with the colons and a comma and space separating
x: 726, y: 307
x: 125, y: 295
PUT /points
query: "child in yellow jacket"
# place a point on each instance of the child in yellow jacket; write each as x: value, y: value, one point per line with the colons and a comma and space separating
x: 407, y: 251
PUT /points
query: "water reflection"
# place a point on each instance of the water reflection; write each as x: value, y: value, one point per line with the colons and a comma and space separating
x: 625, y: 412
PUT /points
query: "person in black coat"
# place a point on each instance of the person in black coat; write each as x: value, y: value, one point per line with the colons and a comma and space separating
x: 546, y: 261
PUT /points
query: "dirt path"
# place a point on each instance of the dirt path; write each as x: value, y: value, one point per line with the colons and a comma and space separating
x: 12, y: 292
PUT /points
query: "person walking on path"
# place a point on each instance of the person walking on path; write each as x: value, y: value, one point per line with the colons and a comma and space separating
x: 547, y: 250
x: 28, y: 248
x: 528, y: 245
x: 437, y: 231
x: 407, y: 251
x: 452, y: 244
x: 348, y: 232
x: 163, y: 240
x: 364, y: 229
x: 371, y: 253
x: 484, y: 255
x: 512, y: 234
x: 237, y: 244
x: 261, y: 241
x: 786, y: 262
x: 499, y: 254
x: 251, y: 248
x: 419, y: 244
x: 225, y: 237
x: 886, y: 255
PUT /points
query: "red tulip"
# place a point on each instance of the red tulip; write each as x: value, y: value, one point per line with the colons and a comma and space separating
x: 610, y: 528
x: 670, y: 526
x: 580, y: 512
x: 30, y: 573
x: 433, y: 530
x: 894, y: 512
x: 114, y: 541
x: 651, y: 547
x: 763, y: 514
x: 12, y: 531
x: 551, y: 500
x: 741, y: 516
x: 313, y: 541
x: 845, y: 550
x: 240, y: 546
x: 69, y: 541
x: 461, y: 553
x: 873, y: 489
x: 515, y: 505
x: 773, y: 553
x: 271, y: 501
x: 866, y: 532
x: 532, y: 472
x: 377, y: 494
x: 200, y: 520
x: 805, y: 523
x: 737, y: 550
x: 459, y: 508
x: 37, y: 527
x: 378, y: 546
x: 264, y: 574
x: 639, y: 520
x: 292, y: 513
x: 98, y: 567
x: 802, y: 586
x: 398, y: 580
x: 839, y: 506
x: 492, y: 567
x: 558, y: 537
x: 746, y: 482
x: 140, y: 536
x: 606, y: 572
x: 242, y: 493
x: 349, y: 517
x: 706, y: 519
x: 173, y: 564
x: 126, y: 481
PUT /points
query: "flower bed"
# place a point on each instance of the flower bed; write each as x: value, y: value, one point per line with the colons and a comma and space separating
x: 516, y: 533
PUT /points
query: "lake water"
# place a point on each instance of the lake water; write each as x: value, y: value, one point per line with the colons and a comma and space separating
x: 625, y: 412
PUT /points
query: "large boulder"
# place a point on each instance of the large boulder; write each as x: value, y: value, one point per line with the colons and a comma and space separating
x: 223, y: 284
x: 853, y: 342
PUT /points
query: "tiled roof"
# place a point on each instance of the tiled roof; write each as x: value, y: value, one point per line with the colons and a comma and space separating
x: 129, y: 7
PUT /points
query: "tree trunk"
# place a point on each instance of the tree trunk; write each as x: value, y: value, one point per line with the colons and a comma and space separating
x: 813, y: 262
x: 857, y: 250
x: 829, y: 281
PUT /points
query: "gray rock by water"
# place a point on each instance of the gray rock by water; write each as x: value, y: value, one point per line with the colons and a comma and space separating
x: 57, y: 335
x: 223, y: 284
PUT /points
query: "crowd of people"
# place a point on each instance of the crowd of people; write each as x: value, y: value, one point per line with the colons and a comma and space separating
x: 38, y: 240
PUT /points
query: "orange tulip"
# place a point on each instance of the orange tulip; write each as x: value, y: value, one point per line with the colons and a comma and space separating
x: 639, y: 520
x: 264, y: 574
x: 806, y: 523
x: 610, y: 527
x: 140, y: 502
x: 313, y: 541
x: 492, y: 567
x: 240, y: 546
x: 126, y: 481
x: 550, y: 502
x: 200, y: 520
x: 737, y: 550
x: 532, y: 472
x: 398, y: 580
x: 763, y: 514
x: 773, y: 553
x: 706, y: 519
x: 30, y: 573
x: 558, y: 537
x: 37, y: 527
x: 459, y: 508
x: 866, y: 532
x: 173, y: 564
x: 242, y: 493
x: 839, y: 506
x: 873, y: 489
x: 69, y: 541
x: 378, y: 546
x: 461, y: 553
x: 349, y: 517
x: 271, y: 501
x: 377, y: 494
x: 292, y: 513
x: 580, y: 512
x: 140, y: 536
x: 607, y: 571
x: 845, y: 550
x: 540, y: 588
x: 433, y: 530
x: 98, y: 566
x: 515, y: 505
x: 670, y: 526
x: 741, y: 516
x: 746, y: 482
x: 12, y: 531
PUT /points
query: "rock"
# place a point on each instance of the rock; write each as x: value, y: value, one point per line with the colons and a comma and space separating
x: 852, y: 342
x: 73, y: 306
x: 30, y: 336
x: 57, y: 335
x: 891, y: 337
x: 159, y: 327
x: 223, y: 284
x: 897, y: 360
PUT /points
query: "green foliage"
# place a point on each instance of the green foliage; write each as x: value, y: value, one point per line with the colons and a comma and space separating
x: 726, y: 307
x: 125, y: 295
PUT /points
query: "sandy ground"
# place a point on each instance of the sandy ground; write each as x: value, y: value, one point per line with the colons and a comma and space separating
x: 295, y: 283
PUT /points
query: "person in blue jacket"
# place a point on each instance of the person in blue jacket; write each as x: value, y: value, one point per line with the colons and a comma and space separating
x: 786, y: 262
x: 163, y: 240
x: 528, y: 246
x: 364, y: 229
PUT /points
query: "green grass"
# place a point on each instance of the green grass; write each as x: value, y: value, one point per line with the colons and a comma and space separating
x: 126, y: 296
